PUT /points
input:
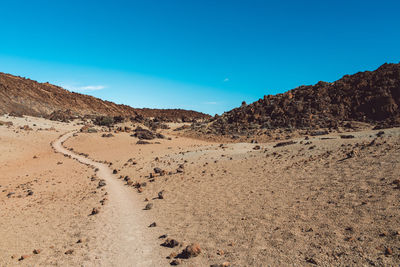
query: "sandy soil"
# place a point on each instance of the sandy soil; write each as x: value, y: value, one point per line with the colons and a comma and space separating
x: 47, y: 200
x: 55, y: 216
x: 326, y: 200
x: 120, y: 238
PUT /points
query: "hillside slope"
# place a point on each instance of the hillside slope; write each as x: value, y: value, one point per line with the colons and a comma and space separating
x: 28, y: 97
x: 371, y: 96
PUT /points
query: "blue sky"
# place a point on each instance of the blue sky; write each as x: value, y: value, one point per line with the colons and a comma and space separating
x: 202, y: 55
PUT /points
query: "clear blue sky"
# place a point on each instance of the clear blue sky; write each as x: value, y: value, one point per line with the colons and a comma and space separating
x: 202, y: 55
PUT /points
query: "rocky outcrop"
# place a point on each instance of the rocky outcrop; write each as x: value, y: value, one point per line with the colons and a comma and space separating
x: 371, y: 97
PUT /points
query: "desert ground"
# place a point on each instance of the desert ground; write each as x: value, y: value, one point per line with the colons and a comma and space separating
x: 70, y: 198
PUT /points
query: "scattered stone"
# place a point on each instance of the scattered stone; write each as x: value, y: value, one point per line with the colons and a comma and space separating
x: 141, y: 142
x: 380, y: 133
x: 256, y: 148
x: 190, y: 251
x: 346, y: 136
x: 95, y: 211
x: 23, y: 257
x: 107, y: 135
x: 69, y: 252
x: 388, y: 251
x: 143, y: 134
x: 161, y: 194
x: 101, y: 183
x: 115, y: 171
x: 311, y: 260
x: 36, y: 251
x: 157, y: 170
x: 285, y: 143
x: 176, y: 262
x: 154, y: 224
x: 170, y: 243
x: 149, y: 206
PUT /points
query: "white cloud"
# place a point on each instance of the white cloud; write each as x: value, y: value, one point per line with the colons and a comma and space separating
x: 87, y: 88
x: 226, y: 80
x: 91, y: 88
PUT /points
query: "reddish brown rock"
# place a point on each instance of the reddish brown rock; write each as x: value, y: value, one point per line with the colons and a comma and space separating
x: 190, y: 251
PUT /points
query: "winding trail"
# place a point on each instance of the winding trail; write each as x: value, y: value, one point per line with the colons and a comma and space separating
x: 120, y: 238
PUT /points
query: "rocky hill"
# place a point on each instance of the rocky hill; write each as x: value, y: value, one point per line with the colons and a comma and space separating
x: 372, y: 97
x: 27, y: 97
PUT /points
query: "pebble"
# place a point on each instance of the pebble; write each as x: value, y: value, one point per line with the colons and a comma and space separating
x: 149, y: 206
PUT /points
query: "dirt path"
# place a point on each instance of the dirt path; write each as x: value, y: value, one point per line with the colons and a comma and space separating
x: 120, y: 238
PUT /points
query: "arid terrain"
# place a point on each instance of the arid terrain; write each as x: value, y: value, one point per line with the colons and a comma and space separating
x: 308, y: 177
x: 317, y: 200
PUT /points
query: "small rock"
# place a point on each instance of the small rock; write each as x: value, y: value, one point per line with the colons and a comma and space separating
x: 176, y: 262
x: 36, y: 251
x: 256, y: 148
x: 153, y: 224
x: 107, y: 135
x: 347, y: 136
x: 101, y: 183
x: 220, y: 252
x: 170, y: 243
x: 157, y: 170
x: 142, y: 142
x: 192, y: 250
x: 311, y: 260
x: 69, y: 252
x: 115, y: 171
x: 95, y: 211
x: 285, y: 143
x: 161, y: 194
x: 388, y: 252
x: 23, y: 257
x: 149, y: 206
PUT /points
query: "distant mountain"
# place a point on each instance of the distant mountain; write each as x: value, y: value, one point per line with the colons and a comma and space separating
x: 27, y: 97
x: 370, y: 96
